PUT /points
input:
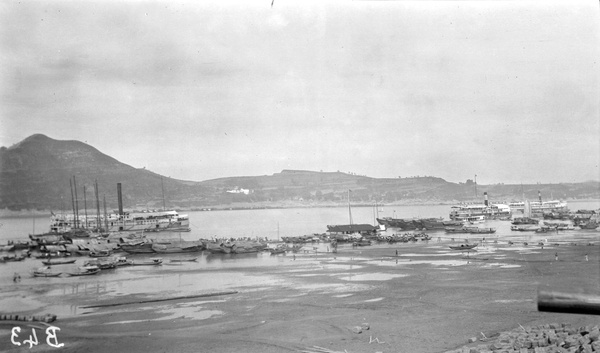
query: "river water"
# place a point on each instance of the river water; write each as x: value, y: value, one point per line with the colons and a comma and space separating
x: 275, y: 223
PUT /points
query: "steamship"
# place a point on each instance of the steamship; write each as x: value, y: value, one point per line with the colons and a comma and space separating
x: 473, y: 212
x: 120, y: 221
x: 150, y: 221
x: 540, y: 207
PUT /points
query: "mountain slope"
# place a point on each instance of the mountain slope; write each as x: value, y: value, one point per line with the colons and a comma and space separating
x: 35, y: 174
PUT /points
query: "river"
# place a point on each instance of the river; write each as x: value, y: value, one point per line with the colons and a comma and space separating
x: 275, y: 223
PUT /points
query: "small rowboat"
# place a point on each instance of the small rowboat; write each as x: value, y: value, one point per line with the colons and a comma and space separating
x: 463, y: 247
x: 184, y: 260
x: 153, y: 262
x: 85, y: 271
x: 58, y: 262
x: 45, y: 272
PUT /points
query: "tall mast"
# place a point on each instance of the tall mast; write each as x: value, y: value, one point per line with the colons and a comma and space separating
x: 85, y: 208
x: 349, y: 209
x: 105, y: 218
x: 98, y: 225
x: 76, y: 203
x: 72, y: 198
x: 163, y: 192
x: 374, y: 218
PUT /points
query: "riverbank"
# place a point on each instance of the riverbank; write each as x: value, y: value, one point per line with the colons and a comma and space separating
x: 428, y: 298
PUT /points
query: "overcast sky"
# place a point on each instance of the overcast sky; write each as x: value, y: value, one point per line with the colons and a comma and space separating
x: 507, y: 90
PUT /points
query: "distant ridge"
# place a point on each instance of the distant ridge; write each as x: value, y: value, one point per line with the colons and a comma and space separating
x: 35, y: 174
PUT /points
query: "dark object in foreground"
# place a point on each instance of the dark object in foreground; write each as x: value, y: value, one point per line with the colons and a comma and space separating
x: 568, y: 303
x: 463, y: 247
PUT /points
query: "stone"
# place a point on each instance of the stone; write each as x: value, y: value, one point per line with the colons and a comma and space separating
x: 356, y: 329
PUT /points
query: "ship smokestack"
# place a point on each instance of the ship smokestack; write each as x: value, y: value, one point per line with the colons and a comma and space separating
x: 120, y: 197
x: 540, y: 196
x: 486, y: 199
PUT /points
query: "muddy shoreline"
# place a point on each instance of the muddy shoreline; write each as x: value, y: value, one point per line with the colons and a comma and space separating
x: 427, y: 299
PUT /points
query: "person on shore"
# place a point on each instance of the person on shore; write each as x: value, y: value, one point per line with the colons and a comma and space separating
x: 556, y: 257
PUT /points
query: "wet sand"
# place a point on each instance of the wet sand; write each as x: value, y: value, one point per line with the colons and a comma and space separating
x: 427, y: 299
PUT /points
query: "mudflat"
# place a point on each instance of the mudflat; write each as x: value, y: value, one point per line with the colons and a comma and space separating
x: 413, y: 297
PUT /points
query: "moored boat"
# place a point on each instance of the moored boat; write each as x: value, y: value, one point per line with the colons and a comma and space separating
x: 138, y: 248
x: 123, y: 261
x: 540, y: 207
x: 192, y: 259
x: 45, y: 272
x: 152, y: 262
x: 279, y: 249
x: 589, y: 225
x: 487, y: 210
x: 362, y: 242
x: 478, y: 230
x: 524, y: 228
x: 51, y: 262
x: 404, y: 224
x: 100, y: 253
x: 524, y: 220
x: 8, y: 258
x: 85, y: 271
x: 102, y: 263
x: 463, y: 246
x: 177, y: 248
x: 150, y: 221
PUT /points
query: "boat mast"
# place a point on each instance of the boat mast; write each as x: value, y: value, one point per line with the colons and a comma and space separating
x: 105, y: 218
x: 374, y: 217
x: 76, y: 203
x: 163, y: 192
x: 349, y: 209
x: 98, y: 225
x: 72, y: 198
x: 85, y: 208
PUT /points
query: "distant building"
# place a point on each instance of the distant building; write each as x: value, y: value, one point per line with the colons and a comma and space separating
x: 237, y: 190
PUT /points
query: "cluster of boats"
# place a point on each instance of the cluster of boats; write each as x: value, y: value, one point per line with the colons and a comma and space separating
x: 417, y: 223
x: 90, y: 267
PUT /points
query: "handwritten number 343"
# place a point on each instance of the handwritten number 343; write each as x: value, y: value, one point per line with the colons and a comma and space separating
x: 51, y: 338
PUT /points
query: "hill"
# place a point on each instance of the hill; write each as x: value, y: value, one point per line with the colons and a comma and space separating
x: 35, y: 174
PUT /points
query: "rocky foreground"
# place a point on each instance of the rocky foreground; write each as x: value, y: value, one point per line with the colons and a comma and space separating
x: 550, y: 338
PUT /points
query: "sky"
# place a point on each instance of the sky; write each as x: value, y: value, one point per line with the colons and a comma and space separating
x: 505, y: 90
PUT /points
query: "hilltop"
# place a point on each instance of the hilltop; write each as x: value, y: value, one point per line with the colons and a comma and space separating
x: 35, y: 174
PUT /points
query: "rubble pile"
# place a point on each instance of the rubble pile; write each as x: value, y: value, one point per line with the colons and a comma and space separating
x: 549, y: 338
